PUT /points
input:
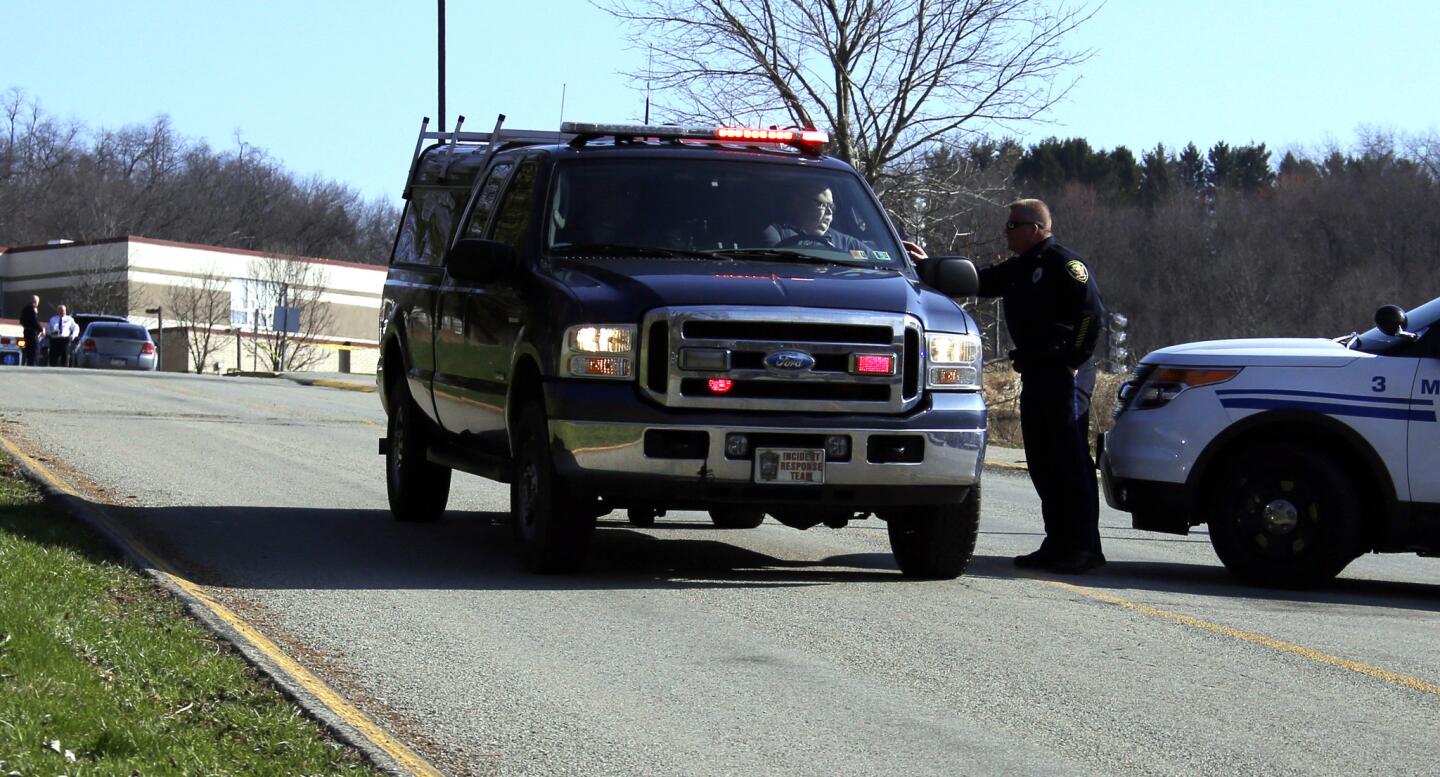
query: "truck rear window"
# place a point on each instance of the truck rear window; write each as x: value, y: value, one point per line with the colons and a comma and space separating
x: 717, y: 205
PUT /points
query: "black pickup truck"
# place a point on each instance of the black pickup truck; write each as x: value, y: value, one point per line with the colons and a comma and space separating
x: 663, y: 318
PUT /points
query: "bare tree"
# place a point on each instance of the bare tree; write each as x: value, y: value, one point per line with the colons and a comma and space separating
x: 201, y: 305
x: 290, y: 281
x: 99, y: 288
x: 886, y: 77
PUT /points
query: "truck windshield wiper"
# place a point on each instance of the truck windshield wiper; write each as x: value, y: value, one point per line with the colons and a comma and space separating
x: 788, y: 254
x: 624, y: 249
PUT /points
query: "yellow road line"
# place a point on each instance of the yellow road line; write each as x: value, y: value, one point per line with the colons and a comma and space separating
x: 339, y: 705
x: 340, y: 384
x: 1394, y: 678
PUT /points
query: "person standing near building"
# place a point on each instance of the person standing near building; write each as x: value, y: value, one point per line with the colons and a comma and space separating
x: 61, y: 331
x: 1054, y: 313
x: 31, y: 327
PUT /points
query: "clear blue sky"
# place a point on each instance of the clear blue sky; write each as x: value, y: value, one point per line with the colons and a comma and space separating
x: 338, y: 88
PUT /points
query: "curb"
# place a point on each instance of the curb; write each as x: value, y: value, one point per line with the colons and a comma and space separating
x: 339, y: 384
x: 322, y: 703
x: 1005, y: 465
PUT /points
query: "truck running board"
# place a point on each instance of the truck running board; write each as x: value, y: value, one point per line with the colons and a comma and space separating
x: 486, y: 465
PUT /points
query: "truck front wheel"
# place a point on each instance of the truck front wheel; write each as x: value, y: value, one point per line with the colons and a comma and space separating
x: 552, y: 529
x: 1286, y: 515
x: 418, y: 489
x: 935, y: 542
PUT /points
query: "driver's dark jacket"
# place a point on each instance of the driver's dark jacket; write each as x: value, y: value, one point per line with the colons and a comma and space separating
x: 1052, y: 305
x: 831, y: 239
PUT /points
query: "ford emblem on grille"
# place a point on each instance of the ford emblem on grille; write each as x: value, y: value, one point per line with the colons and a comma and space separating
x: 790, y: 361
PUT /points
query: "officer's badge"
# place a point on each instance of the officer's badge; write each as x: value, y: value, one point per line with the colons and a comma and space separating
x: 1035, y: 276
x: 1077, y: 271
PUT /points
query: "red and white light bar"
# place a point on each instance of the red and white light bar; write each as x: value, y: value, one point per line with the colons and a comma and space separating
x: 808, y: 141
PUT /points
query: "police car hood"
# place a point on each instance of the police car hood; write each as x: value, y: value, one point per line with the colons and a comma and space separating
x: 1267, y: 352
x: 626, y: 289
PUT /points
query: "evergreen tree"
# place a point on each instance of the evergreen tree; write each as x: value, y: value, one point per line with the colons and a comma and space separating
x: 1193, y: 170
x: 1157, y: 176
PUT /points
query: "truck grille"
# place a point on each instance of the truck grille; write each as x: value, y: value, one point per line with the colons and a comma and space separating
x: 753, y: 353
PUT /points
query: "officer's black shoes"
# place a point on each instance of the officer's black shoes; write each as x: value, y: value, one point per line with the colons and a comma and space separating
x: 1075, y: 563
x: 1040, y: 559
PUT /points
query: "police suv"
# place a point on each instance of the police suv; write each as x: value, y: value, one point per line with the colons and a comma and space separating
x: 1300, y: 454
x: 649, y: 318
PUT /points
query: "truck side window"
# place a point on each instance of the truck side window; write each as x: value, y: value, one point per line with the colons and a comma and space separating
x: 426, y: 226
x: 514, y: 215
x: 489, y: 193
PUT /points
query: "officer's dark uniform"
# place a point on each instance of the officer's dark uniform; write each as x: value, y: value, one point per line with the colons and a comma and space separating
x: 1054, y: 313
x: 31, y: 326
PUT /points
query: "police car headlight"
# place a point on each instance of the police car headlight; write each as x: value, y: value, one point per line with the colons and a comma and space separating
x: 954, y: 361
x: 599, y: 351
x: 1167, y: 383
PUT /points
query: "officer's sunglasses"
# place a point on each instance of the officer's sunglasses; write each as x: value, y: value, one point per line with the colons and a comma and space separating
x: 1014, y: 225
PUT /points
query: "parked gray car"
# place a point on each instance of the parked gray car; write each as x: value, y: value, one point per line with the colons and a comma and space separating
x: 115, y: 346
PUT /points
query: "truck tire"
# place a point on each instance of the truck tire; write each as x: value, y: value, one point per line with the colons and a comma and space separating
x: 736, y: 518
x: 935, y: 542
x: 1287, y: 516
x: 418, y: 489
x: 552, y: 530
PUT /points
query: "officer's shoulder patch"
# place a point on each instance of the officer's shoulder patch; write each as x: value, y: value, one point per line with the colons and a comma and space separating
x: 1077, y: 270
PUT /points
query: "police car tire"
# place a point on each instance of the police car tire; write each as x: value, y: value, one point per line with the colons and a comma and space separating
x: 736, y: 518
x: 552, y: 529
x: 1326, y: 505
x: 418, y: 489
x: 935, y: 542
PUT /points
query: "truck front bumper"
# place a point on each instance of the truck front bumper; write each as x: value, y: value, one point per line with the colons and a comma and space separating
x: 635, y: 450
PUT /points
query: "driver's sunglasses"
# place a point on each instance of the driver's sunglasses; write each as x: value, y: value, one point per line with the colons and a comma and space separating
x: 1011, y: 226
x: 828, y: 207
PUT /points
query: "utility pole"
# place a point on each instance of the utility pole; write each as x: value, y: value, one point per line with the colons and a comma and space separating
x: 442, y: 64
x: 159, y: 311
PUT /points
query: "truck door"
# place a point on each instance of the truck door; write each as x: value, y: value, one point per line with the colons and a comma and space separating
x: 480, y: 323
x: 1425, y: 427
x: 414, y: 280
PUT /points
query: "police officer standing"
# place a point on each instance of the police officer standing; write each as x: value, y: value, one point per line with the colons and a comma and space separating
x: 1054, y: 313
x: 31, y: 326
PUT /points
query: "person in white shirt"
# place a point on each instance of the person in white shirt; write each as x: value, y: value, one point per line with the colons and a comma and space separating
x: 61, y: 330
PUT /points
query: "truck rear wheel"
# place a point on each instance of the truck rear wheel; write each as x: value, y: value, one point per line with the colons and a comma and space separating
x: 552, y: 529
x: 736, y: 518
x: 1286, y: 515
x: 935, y: 542
x: 418, y: 489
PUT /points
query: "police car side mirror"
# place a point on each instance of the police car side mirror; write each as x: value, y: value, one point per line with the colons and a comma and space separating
x: 473, y: 260
x: 953, y: 276
x: 1391, y: 320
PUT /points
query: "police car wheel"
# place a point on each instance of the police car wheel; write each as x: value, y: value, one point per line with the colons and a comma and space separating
x: 418, y: 489
x: 935, y: 542
x: 1286, y: 516
x: 736, y: 518
x: 552, y: 529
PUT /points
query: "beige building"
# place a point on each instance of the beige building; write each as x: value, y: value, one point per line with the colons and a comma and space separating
x: 229, y: 306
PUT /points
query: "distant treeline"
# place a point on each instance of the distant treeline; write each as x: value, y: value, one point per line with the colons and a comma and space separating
x: 62, y: 179
x: 1199, y: 245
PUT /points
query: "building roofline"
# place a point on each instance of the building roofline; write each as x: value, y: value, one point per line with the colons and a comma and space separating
x: 197, y: 247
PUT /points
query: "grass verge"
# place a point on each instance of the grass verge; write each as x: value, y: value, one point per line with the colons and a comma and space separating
x: 102, y: 672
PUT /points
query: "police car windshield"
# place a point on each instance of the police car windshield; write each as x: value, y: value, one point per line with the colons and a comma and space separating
x: 1419, y: 322
x: 726, y: 209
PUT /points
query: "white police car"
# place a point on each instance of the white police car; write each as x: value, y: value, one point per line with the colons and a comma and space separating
x: 1300, y: 454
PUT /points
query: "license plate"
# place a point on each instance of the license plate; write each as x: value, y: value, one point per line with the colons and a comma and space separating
x: 797, y: 466
x: 117, y: 362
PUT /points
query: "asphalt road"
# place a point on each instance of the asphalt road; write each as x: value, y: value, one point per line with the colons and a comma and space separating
x: 689, y: 650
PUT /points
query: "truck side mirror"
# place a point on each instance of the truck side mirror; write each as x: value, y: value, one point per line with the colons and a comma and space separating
x: 478, y: 261
x: 953, y: 276
x: 1391, y: 320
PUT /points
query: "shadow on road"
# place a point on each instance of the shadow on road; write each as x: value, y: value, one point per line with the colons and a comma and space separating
x: 299, y: 548
x: 1209, y: 580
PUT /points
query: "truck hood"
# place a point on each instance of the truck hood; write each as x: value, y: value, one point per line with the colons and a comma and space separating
x: 1268, y: 352
x: 625, y: 289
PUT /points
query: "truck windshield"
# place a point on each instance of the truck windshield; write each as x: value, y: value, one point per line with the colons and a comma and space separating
x: 729, y: 209
x: 1419, y: 322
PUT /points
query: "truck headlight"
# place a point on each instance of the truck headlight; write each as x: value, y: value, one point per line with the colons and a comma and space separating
x: 1166, y: 383
x: 954, y: 361
x: 599, y: 351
